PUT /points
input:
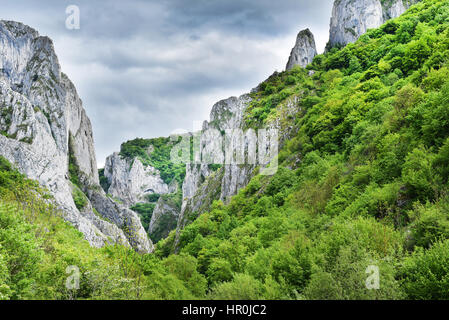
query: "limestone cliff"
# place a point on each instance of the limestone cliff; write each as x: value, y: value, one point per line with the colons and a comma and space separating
x: 208, y: 178
x: 205, y: 183
x: 47, y: 135
x: 352, y: 18
x: 131, y: 181
x: 143, y: 178
x: 164, y: 218
x: 304, y: 50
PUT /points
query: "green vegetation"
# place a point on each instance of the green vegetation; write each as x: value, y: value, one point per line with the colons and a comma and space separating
x: 154, y: 197
x: 370, y: 189
x: 74, y: 171
x: 371, y: 130
x: 155, y: 153
x: 104, y: 183
x: 145, y: 211
x: 79, y: 198
x: 37, y: 246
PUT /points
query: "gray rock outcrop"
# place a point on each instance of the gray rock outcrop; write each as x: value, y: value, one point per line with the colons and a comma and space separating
x: 203, y: 185
x: 43, y: 125
x: 131, y: 181
x: 304, y: 50
x: 352, y: 18
x: 164, y: 218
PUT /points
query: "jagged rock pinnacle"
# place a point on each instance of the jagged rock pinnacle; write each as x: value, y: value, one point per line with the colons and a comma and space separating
x: 304, y: 50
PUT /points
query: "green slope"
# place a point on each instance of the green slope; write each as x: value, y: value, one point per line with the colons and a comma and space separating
x: 362, y: 183
x: 158, y: 157
x: 37, y: 247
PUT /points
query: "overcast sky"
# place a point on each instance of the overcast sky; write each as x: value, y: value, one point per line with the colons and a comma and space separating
x: 147, y: 68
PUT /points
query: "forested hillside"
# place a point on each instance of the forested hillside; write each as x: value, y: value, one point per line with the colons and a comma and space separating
x: 363, y: 182
x: 38, y: 251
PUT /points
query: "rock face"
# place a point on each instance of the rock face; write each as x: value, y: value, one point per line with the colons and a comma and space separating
x: 304, y: 50
x: 225, y: 115
x: 352, y: 18
x: 203, y: 184
x: 164, y: 219
x: 395, y: 8
x: 235, y: 176
x: 44, y: 125
x: 131, y: 181
x: 140, y: 187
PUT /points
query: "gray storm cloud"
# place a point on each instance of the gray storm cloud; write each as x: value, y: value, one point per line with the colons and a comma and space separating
x: 146, y: 68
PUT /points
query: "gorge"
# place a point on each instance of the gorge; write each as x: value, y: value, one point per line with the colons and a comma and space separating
x: 361, y: 180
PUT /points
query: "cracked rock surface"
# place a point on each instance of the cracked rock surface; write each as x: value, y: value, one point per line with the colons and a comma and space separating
x: 43, y: 124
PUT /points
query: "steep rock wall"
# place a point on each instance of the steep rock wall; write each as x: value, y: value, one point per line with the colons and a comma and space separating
x: 304, y: 50
x: 43, y: 124
x: 131, y: 181
x: 352, y: 18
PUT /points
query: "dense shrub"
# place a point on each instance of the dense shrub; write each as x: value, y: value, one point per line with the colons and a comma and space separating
x: 425, y: 273
x: 156, y: 153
